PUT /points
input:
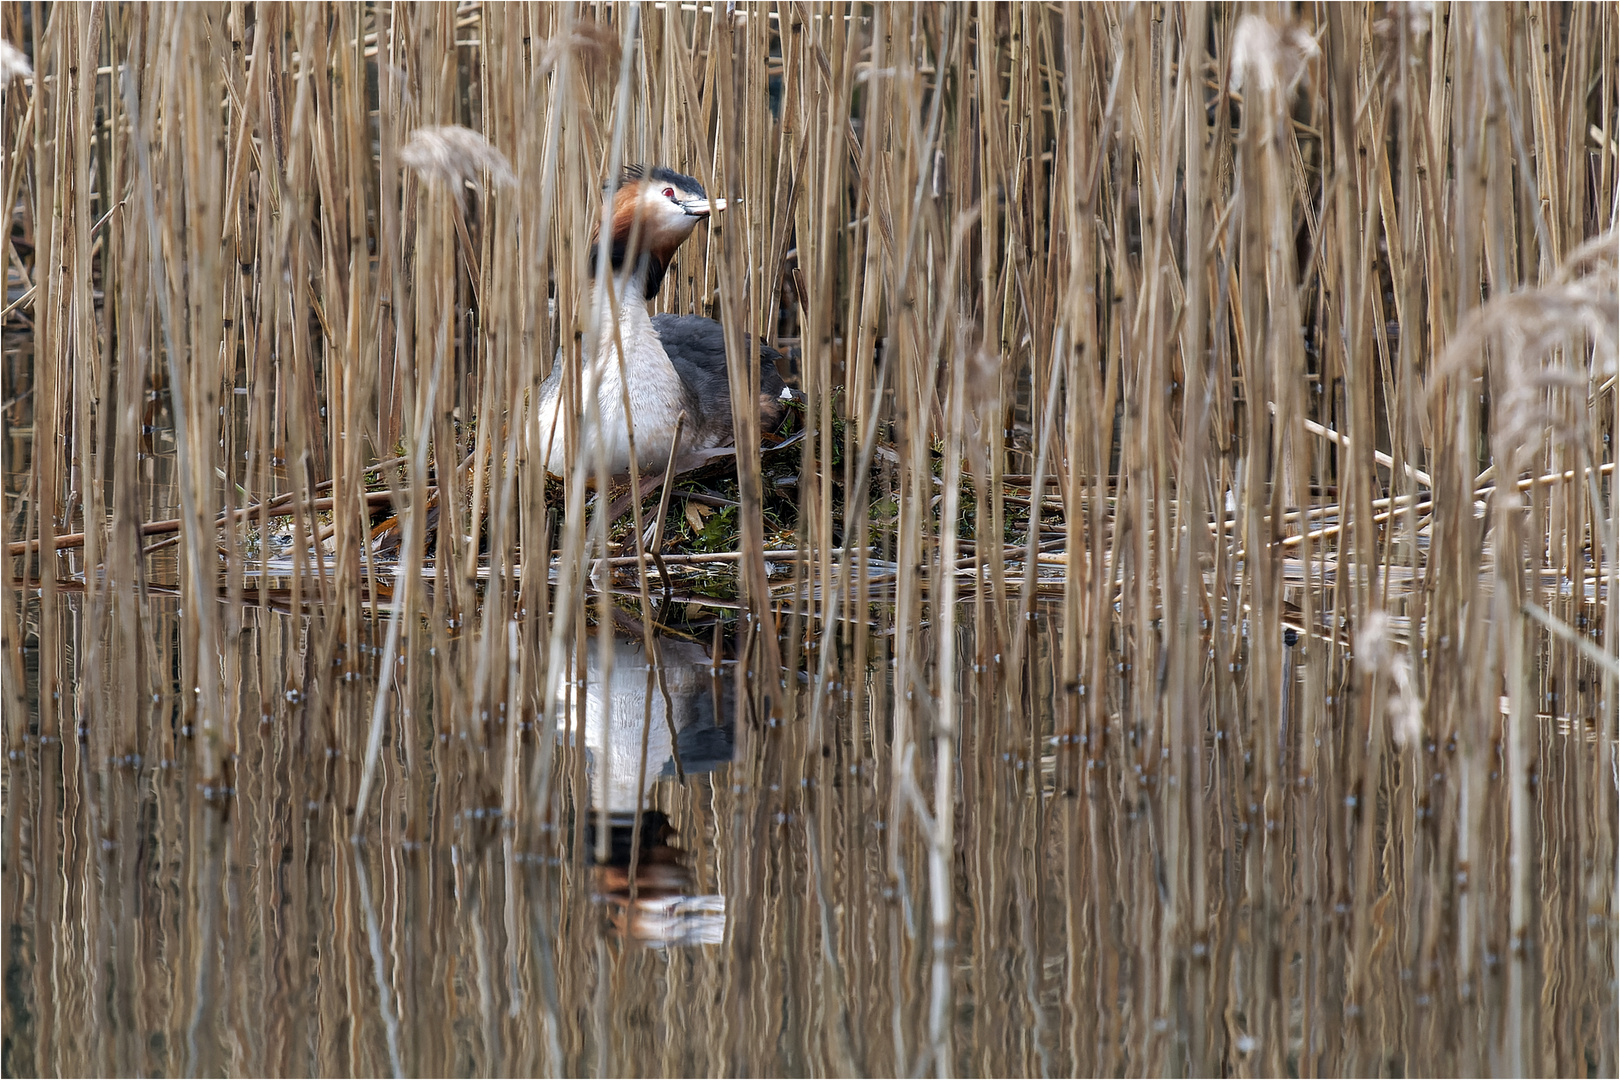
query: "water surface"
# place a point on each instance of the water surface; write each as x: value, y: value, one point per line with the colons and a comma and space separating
x: 744, y: 902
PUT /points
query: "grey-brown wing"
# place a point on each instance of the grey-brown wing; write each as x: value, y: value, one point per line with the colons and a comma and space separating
x: 697, y: 348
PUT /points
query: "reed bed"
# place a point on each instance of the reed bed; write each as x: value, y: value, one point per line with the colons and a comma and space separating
x: 1205, y: 463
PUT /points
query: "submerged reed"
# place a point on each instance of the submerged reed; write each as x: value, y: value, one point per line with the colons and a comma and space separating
x: 1215, y: 415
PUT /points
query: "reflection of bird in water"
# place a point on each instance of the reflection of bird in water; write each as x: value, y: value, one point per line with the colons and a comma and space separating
x: 664, y: 911
x: 672, y: 363
x: 617, y: 713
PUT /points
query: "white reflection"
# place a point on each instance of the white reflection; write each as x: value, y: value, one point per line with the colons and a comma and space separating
x: 683, y: 710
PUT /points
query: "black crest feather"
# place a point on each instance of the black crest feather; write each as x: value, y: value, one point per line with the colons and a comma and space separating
x: 659, y: 175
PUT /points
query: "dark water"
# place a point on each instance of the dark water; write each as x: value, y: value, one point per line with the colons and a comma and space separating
x: 770, y: 913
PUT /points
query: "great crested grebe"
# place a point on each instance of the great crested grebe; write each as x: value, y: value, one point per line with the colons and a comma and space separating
x: 672, y: 363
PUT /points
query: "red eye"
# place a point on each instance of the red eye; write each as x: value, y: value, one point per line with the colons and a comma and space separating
x: 669, y: 193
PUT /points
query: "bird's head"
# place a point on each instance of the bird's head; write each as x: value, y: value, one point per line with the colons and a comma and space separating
x: 654, y: 211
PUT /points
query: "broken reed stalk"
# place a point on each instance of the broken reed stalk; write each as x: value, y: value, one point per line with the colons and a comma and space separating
x: 1172, y: 232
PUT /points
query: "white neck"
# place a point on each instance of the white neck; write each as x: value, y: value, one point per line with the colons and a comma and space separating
x: 654, y: 389
x: 629, y: 302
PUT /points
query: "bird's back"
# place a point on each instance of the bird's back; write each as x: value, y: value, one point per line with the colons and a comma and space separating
x: 697, y: 348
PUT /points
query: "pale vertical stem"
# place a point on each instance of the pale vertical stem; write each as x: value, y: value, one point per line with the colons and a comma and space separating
x: 394, y: 344
x: 50, y: 306
x: 21, y: 153
x: 1470, y: 641
x: 570, y: 569
x: 1185, y: 777
x: 405, y: 595
x: 866, y: 375
x: 742, y: 368
x: 1077, y: 310
x: 198, y: 528
x: 91, y: 369
x: 385, y: 1001
x: 604, y: 321
x: 942, y: 844
x: 1510, y: 590
x: 351, y: 260
x: 817, y: 220
x: 510, y: 792
x: 553, y: 659
x: 1519, y: 762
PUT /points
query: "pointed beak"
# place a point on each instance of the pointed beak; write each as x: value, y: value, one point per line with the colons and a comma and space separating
x: 700, y: 207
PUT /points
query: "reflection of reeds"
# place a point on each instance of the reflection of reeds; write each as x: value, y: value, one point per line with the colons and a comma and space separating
x: 1148, y: 371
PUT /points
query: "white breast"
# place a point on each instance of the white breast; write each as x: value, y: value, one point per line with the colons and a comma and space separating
x: 655, y: 394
